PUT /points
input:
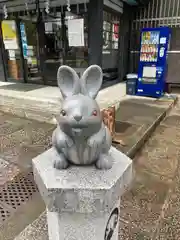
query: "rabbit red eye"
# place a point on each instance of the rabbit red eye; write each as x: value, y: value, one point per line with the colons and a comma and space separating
x: 63, y: 113
x: 94, y: 113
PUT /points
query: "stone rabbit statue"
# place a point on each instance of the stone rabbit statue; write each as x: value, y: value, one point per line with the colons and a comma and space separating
x: 81, y: 138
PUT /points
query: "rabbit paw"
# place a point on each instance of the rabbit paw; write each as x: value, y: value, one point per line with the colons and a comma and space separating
x: 104, y: 162
x: 61, y: 162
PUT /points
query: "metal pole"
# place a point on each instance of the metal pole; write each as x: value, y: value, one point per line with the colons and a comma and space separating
x: 40, y: 47
x: 24, y: 63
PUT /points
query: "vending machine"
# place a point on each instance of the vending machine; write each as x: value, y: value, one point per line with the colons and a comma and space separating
x: 153, y: 61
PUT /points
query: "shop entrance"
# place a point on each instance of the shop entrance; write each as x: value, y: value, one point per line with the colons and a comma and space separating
x: 30, y: 49
x: 54, y: 47
x: 36, y: 45
x: 20, y: 50
x: 11, y: 51
x: 58, y: 46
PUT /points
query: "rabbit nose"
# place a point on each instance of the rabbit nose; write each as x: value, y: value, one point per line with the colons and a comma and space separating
x: 77, y: 117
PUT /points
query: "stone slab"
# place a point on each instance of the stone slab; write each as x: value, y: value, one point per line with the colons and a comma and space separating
x: 82, y: 202
x: 137, y: 111
x: 102, y: 188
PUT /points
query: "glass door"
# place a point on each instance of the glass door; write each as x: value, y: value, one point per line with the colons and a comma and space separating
x: 11, y: 53
x: 54, y: 47
x: 30, y: 47
x: 77, y: 39
x: 66, y: 42
x: 2, y: 73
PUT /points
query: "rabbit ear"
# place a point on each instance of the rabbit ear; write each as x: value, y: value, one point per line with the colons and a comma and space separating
x: 68, y: 81
x: 91, y: 81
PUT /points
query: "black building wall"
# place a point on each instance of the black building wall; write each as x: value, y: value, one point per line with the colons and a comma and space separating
x: 124, y: 42
x: 95, y: 41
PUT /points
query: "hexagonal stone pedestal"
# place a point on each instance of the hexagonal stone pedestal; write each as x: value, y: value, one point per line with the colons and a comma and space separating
x: 82, y: 202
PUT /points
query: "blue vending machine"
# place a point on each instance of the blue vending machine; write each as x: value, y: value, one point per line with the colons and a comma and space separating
x: 153, y: 61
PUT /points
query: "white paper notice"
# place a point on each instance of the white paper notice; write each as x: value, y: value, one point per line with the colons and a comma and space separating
x: 11, y: 55
x: 76, y: 32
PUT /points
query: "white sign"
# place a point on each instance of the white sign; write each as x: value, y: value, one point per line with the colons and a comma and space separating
x: 161, y: 52
x: 76, y: 32
x: 163, y: 40
x: 149, y: 72
x: 48, y: 27
x: 9, y: 34
x: 12, y: 55
x: 11, y: 44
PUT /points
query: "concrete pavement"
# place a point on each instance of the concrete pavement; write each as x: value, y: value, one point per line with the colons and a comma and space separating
x: 20, y: 202
x: 151, y: 209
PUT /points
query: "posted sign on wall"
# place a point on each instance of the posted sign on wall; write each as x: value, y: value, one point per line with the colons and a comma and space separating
x: 9, y: 34
x: 76, y: 32
x: 24, y: 40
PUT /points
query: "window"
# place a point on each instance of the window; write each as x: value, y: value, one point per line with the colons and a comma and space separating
x: 62, y: 46
x: 110, y: 30
x: 12, y: 56
x: 53, y: 33
x: 110, y: 39
x: 77, y: 51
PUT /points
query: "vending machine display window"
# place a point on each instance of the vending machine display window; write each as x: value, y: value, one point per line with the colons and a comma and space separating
x: 149, y: 74
x: 149, y: 46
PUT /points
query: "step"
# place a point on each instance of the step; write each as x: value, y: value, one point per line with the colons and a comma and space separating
x: 43, y: 103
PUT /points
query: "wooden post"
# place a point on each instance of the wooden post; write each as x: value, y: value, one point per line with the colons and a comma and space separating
x: 109, y: 119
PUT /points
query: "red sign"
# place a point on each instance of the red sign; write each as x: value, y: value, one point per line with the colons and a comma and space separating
x: 116, y: 30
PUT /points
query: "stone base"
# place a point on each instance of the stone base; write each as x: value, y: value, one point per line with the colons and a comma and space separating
x: 82, y: 202
x: 79, y: 226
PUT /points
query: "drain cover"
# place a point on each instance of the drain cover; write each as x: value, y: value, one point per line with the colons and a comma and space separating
x: 18, y: 191
x: 4, y: 214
